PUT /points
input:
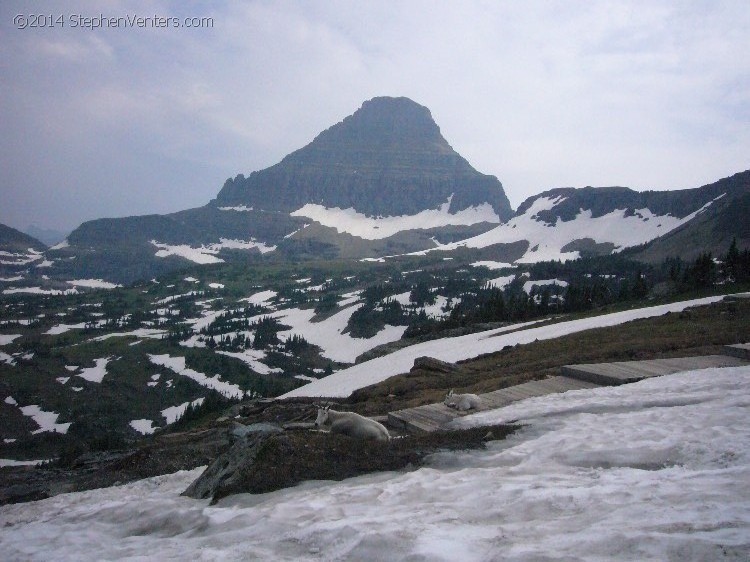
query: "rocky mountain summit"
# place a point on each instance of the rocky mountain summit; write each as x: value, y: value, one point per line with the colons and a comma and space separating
x: 387, y: 159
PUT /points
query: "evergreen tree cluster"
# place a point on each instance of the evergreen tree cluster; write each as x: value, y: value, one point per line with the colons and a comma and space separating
x: 705, y: 271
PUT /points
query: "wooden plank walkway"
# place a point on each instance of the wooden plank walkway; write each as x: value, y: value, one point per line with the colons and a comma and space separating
x: 612, y: 374
x: 574, y: 377
x: 433, y: 416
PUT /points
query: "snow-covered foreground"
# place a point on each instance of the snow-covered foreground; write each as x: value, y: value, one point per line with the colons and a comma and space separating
x: 656, y: 470
x: 346, y: 381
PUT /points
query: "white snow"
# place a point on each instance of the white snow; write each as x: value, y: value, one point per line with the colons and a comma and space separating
x: 262, y: 298
x: 11, y: 279
x: 5, y: 358
x: 239, y: 208
x: 173, y: 413
x: 404, y: 299
x: 5, y: 339
x: 243, y: 245
x: 198, y: 255
x: 493, y: 264
x: 501, y: 282
x: 60, y: 245
x: 172, y: 298
x: 350, y: 298
x: 216, y: 285
x: 252, y: 357
x: 328, y: 333
x: 376, y: 228
x: 546, y: 241
x: 177, y: 364
x: 143, y: 426
x: 93, y: 283
x: 436, y: 310
x: 39, y: 291
x: 344, y: 382
x: 542, y: 282
x: 191, y: 280
x: 19, y: 258
x: 656, y: 470
x: 138, y: 332
x: 45, y: 420
x: 11, y: 462
x: 97, y: 372
x: 207, y: 254
x: 62, y: 328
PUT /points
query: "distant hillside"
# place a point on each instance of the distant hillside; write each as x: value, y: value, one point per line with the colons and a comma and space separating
x: 15, y: 241
x: 565, y: 223
x: 48, y: 236
x: 711, y: 230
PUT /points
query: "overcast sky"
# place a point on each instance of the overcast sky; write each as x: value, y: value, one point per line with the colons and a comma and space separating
x: 122, y: 121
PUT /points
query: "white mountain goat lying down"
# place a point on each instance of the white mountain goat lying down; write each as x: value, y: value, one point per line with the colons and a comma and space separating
x: 351, y: 424
x: 462, y: 402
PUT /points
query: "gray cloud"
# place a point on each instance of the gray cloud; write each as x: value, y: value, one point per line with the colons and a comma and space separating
x: 112, y: 122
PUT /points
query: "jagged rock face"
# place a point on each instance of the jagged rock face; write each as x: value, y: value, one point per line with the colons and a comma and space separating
x: 388, y: 159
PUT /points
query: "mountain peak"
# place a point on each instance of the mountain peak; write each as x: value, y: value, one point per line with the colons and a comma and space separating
x: 388, y: 119
x: 387, y: 158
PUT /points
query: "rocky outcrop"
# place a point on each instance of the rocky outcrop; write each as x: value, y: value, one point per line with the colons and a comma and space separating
x: 227, y: 467
x: 432, y: 364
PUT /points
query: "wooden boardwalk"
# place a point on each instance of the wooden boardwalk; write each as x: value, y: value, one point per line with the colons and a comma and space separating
x: 574, y: 377
x: 612, y: 374
x: 433, y: 416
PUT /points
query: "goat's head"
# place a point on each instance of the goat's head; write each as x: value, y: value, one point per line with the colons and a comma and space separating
x: 448, y: 398
x: 322, y: 416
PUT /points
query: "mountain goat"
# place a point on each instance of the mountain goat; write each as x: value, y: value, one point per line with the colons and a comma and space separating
x: 462, y: 402
x: 351, y: 424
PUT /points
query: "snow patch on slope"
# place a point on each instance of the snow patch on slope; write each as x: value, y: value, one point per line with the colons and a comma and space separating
x: 177, y: 364
x: 208, y: 254
x: 93, y: 284
x: 375, y: 228
x: 546, y: 242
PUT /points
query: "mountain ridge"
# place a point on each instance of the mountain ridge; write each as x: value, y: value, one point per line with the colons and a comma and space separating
x: 385, y: 182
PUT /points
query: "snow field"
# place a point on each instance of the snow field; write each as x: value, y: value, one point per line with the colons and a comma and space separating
x: 376, y: 228
x: 655, y: 470
x: 546, y: 242
x: 177, y: 364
